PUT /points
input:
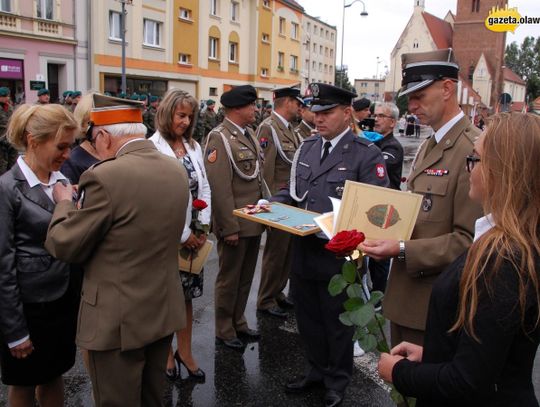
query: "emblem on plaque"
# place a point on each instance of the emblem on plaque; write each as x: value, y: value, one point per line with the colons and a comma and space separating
x: 383, y: 216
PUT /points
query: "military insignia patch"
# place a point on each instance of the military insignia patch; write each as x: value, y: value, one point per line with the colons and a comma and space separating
x: 383, y: 216
x: 380, y: 170
x: 263, y: 142
x: 211, y: 156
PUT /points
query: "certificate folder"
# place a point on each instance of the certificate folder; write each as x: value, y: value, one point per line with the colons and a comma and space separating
x: 284, y: 217
x: 193, y: 262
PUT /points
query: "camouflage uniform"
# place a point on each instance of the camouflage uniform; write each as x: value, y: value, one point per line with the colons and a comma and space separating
x: 8, y: 155
x: 6, y: 110
x: 149, y: 117
x: 208, y: 120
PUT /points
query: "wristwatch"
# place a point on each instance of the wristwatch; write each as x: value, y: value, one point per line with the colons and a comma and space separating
x: 401, y: 254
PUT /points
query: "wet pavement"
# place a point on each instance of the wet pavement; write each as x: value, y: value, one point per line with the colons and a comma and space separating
x: 256, y: 376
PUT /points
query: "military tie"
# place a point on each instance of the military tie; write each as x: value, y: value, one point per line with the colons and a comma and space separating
x: 327, y: 146
x: 431, y: 144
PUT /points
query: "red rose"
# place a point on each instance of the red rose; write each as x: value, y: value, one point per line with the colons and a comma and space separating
x: 199, y: 204
x: 345, y: 242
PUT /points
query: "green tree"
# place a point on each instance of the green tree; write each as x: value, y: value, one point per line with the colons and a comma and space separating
x: 341, y: 79
x: 524, y: 60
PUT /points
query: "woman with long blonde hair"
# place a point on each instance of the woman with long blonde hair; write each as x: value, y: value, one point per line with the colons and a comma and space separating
x: 483, y: 326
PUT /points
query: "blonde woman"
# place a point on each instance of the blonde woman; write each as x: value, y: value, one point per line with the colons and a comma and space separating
x: 38, y: 303
x: 483, y: 323
x: 174, y: 137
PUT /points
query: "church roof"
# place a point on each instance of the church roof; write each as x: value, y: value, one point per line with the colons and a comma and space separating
x: 440, y: 30
x: 511, y: 76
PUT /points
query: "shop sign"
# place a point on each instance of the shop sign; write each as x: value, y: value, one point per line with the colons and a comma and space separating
x: 11, y: 68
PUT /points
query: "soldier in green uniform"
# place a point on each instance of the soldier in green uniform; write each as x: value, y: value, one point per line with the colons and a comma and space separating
x: 208, y: 119
x: 8, y: 154
x: 279, y: 144
x: 44, y: 97
x: 233, y: 162
x: 149, y: 116
x: 75, y: 98
x: 306, y: 128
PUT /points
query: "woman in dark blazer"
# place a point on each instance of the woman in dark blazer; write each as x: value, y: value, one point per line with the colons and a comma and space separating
x: 483, y: 326
x: 37, y: 303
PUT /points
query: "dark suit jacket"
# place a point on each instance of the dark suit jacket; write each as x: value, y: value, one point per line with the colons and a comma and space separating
x: 28, y: 273
x: 457, y: 370
x: 126, y: 235
x: 392, y: 151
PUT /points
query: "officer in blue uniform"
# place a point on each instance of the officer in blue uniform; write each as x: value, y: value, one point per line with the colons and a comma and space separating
x: 320, y: 168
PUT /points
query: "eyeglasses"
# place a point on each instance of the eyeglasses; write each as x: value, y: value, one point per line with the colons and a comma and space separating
x: 471, y: 160
x: 381, y: 116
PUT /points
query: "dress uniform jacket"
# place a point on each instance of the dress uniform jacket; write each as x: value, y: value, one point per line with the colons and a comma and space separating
x: 279, y: 144
x: 303, y: 130
x: 235, y: 181
x: 444, y: 227
x: 126, y: 234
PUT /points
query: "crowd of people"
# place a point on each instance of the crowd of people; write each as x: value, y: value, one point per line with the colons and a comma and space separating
x: 92, y: 232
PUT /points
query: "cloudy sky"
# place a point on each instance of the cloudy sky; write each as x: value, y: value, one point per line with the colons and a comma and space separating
x: 367, y: 38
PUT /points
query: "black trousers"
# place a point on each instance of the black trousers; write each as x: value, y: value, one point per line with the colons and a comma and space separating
x: 327, y: 342
x: 378, y: 270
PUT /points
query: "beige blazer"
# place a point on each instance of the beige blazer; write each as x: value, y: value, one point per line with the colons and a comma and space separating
x: 126, y: 236
x: 443, y: 230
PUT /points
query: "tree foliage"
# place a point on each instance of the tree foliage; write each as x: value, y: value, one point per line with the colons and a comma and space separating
x: 342, y: 79
x: 524, y: 60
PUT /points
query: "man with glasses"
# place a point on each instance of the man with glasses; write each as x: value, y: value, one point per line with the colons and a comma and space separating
x: 445, y: 225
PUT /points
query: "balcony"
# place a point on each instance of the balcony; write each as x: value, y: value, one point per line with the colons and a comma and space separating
x: 51, y: 28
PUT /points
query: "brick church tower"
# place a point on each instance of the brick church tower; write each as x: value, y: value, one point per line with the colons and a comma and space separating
x: 471, y: 38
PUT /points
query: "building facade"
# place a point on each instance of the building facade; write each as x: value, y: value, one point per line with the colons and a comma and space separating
x: 39, y: 42
x: 372, y: 89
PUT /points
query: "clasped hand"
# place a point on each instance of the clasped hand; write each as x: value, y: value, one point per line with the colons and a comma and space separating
x: 404, y: 350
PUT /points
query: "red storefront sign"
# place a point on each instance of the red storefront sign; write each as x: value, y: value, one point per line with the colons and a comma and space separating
x: 11, y: 69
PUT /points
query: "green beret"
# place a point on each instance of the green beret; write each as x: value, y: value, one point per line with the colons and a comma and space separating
x: 268, y: 106
x: 210, y: 102
x: 153, y: 99
x: 67, y: 93
x: 143, y: 97
x: 4, y: 91
x: 43, y: 91
x: 258, y: 105
x: 122, y: 95
x: 134, y: 96
x: 107, y: 94
x: 76, y: 93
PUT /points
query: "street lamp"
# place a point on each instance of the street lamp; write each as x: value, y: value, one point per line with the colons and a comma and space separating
x: 363, y: 14
x: 123, y: 36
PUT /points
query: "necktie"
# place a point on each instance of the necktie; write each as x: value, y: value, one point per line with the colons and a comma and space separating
x: 430, y: 145
x: 326, y: 151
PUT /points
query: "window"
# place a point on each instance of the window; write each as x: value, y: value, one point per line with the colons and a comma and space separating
x: 325, y: 51
x: 320, y: 66
x: 308, y: 27
x: 265, y: 38
x: 235, y: 11
x: 5, y: 5
x: 151, y: 33
x: 320, y: 49
x: 325, y: 68
x: 266, y: 3
x: 314, y: 48
x: 294, y: 31
x: 475, y: 6
x: 314, y: 29
x: 415, y: 44
x: 280, y: 59
x: 214, y: 6
x: 376, y: 84
x: 212, y: 91
x: 233, y: 52
x: 332, y: 36
x: 363, y: 84
x: 264, y: 71
x: 331, y: 53
x: 314, y: 65
x: 282, y: 25
x: 185, y: 14
x: 44, y: 9
x: 294, y: 63
x: 184, y: 59
x: 330, y: 69
x: 327, y: 34
x: 114, y: 26
x: 213, y: 48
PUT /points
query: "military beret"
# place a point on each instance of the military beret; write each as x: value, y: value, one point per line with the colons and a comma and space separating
x: 361, y: 104
x: 210, y: 102
x: 421, y: 69
x: 134, y: 96
x: 153, y: 99
x: 268, y: 106
x: 107, y: 94
x: 122, y: 95
x: 4, y: 91
x: 75, y: 94
x: 288, y: 92
x: 143, y: 97
x: 43, y: 91
x: 239, y: 96
x: 67, y: 93
x: 326, y: 97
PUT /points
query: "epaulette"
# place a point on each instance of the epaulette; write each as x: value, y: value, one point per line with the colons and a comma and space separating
x: 309, y: 139
x: 101, y: 162
x: 472, y: 133
x: 364, y: 141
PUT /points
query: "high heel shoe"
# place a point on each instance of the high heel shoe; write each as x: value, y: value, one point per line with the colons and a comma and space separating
x: 196, y: 375
x: 174, y: 373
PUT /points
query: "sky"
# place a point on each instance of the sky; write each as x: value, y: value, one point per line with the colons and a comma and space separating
x: 375, y: 35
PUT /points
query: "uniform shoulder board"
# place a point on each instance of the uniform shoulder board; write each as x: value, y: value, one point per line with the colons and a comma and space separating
x: 101, y: 162
x: 472, y: 133
x: 310, y: 139
x: 364, y: 141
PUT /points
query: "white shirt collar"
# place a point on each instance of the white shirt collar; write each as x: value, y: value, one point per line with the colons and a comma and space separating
x: 280, y: 117
x: 32, y: 178
x: 482, y: 225
x: 235, y: 125
x: 333, y: 142
x: 439, y: 134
